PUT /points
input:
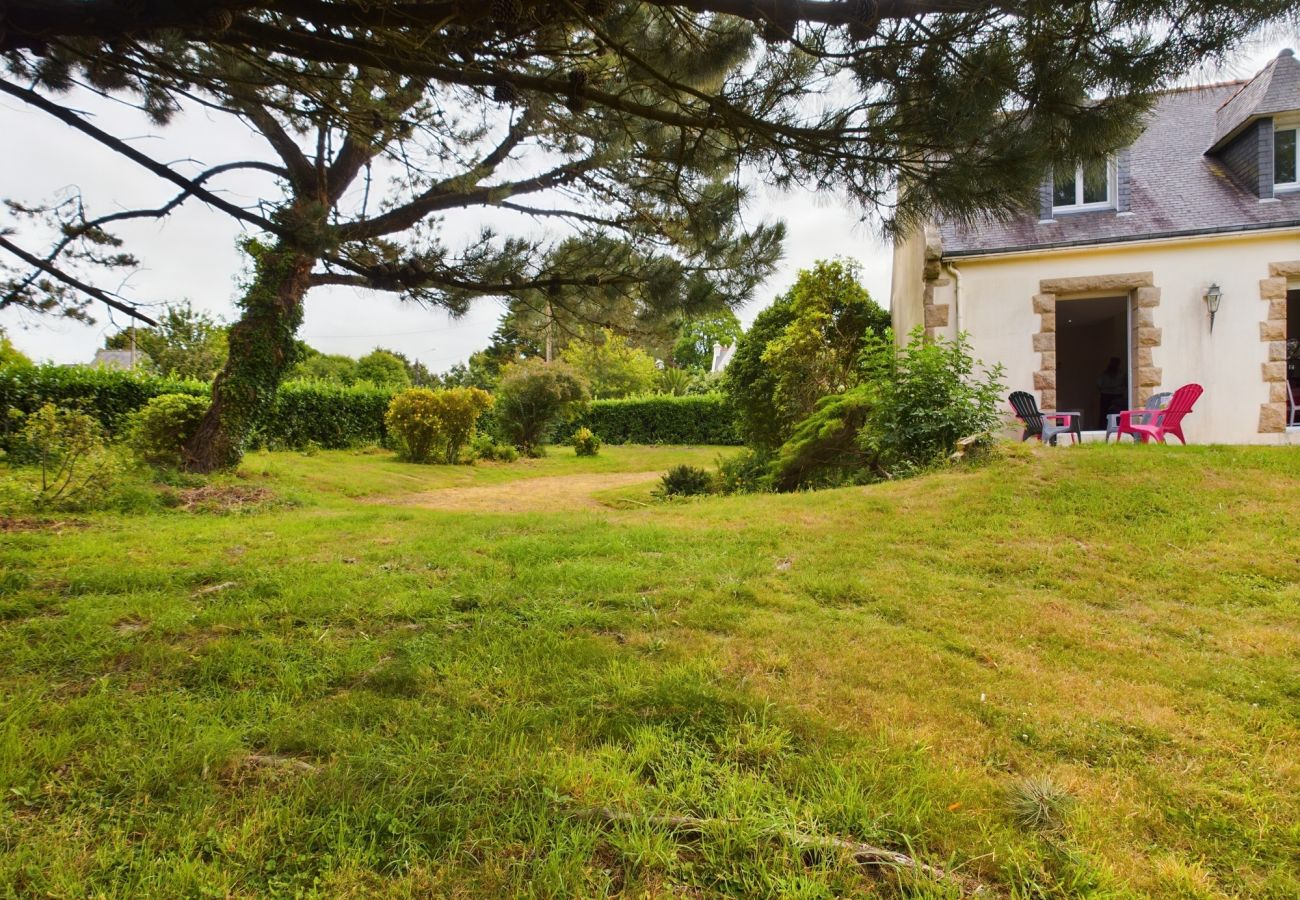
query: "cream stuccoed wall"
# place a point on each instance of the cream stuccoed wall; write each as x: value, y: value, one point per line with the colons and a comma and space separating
x: 997, y: 312
x: 907, y: 283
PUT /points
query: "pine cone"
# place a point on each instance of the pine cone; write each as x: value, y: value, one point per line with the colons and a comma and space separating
x: 866, y: 19
x: 507, y: 13
x: 504, y: 92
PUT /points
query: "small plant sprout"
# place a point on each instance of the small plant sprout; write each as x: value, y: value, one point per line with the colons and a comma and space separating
x: 1040, y: 804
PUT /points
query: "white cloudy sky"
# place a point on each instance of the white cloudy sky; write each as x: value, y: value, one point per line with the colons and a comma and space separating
x: 192, y: 253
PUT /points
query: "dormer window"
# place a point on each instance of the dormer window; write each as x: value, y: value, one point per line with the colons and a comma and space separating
x: 1285, y: 159
x: 1089, y: 185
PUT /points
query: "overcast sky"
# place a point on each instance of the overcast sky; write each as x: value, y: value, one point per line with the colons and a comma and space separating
x: 192, y: 253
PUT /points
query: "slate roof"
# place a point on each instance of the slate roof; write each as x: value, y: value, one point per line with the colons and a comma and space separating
x: 1273, y: 90
x: 1176, y: 189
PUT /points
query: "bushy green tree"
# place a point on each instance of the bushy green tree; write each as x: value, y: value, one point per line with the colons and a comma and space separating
x: 11, y: 355
x: 533, y: 395
x: 383, y: 368
x: 806, y: 346
x: 611, y: 367
x: 696, y: 336
x: 750, y: 384
x: 333, y: 367
x: 186, y: 342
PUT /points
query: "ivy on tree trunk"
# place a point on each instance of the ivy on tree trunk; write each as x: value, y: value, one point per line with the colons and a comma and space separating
x: 261, y: 349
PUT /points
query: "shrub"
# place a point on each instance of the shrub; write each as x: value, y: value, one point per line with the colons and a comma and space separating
x: 662, y: 419
x: 930, y: 399
x: 825, y: 449
x: 484, y: 446
x: 585, y: 442
x: 70, y: 466
x: 747, y: 472
x: 160, y: 429
x: 533, y: 396
x: 424, y: 424
x: 109, y: 396
x: 685, y: 481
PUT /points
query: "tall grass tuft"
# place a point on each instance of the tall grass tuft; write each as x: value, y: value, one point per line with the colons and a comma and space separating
x: 1039, y: 804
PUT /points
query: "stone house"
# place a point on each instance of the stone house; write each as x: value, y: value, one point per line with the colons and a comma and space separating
x: 1179, y: 257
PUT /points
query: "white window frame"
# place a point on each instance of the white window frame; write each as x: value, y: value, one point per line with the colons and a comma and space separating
x: 1290, y: 124
x: 1112, y: 177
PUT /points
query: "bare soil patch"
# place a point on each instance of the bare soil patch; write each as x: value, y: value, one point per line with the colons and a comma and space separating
x: 549, y: 492
x: 221, y: 498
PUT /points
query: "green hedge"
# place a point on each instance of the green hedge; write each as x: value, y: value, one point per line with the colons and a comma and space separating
x: 334, y: 416
x: 663, y: 419
x: 337, y: 416
x: 109, y: 396
x: 329, y: 415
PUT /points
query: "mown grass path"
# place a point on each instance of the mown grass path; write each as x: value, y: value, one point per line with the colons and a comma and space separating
x: 541, y: 494
x: 339, y: 698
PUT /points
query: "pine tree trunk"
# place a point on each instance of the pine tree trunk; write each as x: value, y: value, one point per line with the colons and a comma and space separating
x: 261, y: 348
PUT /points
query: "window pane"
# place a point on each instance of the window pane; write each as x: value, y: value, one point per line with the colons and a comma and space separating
x: 1284, y: 157
x: 1096, y: 182
x: 1063, y: 189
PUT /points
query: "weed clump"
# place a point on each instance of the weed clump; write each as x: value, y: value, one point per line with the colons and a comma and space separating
x: 1039, y: 804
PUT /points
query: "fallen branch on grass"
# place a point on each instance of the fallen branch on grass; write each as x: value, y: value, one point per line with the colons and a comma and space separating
x: 865, y: 856
x: 276, y: 761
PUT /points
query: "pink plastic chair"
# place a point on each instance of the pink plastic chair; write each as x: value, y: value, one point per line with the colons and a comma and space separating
x: 1163, y: 422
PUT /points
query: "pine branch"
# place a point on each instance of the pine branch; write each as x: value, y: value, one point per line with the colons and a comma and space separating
x: 31, y: 24
x: 450, y: 195
x: 59, y: 275
x: 72, y: 233
x: 67, y: 116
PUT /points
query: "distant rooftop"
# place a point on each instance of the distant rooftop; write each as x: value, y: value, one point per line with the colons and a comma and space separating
x: 118, y: 359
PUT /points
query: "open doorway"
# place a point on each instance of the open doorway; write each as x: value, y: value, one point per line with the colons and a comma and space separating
x: 1092, y: 358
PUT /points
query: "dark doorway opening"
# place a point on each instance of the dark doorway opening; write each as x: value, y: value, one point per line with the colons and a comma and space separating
x: 1092, y: 358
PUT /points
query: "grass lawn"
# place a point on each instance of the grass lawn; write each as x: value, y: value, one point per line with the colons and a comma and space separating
x: 383, y: 682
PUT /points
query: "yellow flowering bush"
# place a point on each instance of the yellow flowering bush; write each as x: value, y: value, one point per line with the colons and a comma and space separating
x: 426, y: 424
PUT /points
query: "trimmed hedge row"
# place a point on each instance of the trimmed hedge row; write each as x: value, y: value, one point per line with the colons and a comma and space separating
x: 305, y: 412
x: 108, y: 395
x: 661, y: 419
x: 338, y: 416
x: 333, y: 416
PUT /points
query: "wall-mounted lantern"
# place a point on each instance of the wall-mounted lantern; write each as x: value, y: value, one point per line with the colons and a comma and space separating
x: 1213, y: 296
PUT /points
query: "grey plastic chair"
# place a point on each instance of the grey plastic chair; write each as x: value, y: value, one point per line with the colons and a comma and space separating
x: 1044, y: 425
x: 1154, y: 402
x: 1292, y: 408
